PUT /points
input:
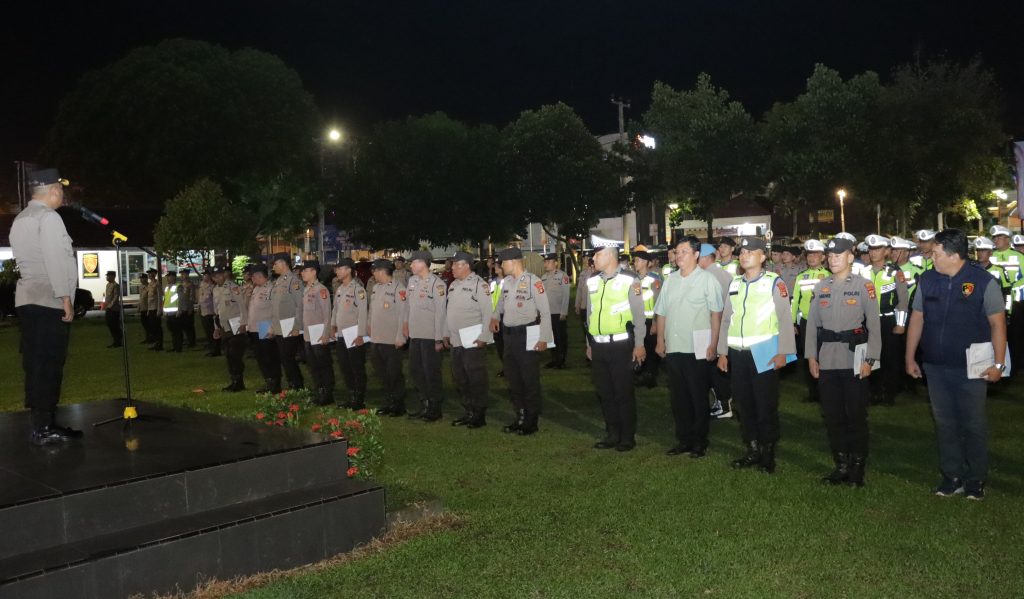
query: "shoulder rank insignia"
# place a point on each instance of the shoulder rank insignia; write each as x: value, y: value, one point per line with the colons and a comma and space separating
x: 323, y: 294
x: 871, y: 289
x: 781, y: 286
x: 539, y: 286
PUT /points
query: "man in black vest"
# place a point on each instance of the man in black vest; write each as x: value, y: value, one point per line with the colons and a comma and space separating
x: 956, y: 306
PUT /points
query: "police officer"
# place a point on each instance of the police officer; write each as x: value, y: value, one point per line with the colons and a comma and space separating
x: 758, y: 311
x: 350, y: 310
x: 670, y: 264
x: 803, y: 290
x: 231, y: 324
x: 523, y: 304
x: 581, y: 287
x: 44, y: 300
x: 316, y: 314
x: 650, y: 283
x: 789, y: 268
x: 925, y: 245
x: 425, y: 329
x: 261, y: 314
x: 247, y: 288
x: 286, y: 299
x: 469, y: 305
x: 169, y: 307
x: 112, y: 308
x: 843, y: 315
x: 401, y: 273
x: 154, y: 314
x: 207, y: 313
x: 893, y: 301
x: 900, y: 249
x: 1012, y: 260
x: 614, y: 307
x: 726, y: 261
x: 495, y: 286
x: 557, y: 285
x: 187, y: 307
x: 388, y: 314
x: 144, y: 308
x: 983, y: 253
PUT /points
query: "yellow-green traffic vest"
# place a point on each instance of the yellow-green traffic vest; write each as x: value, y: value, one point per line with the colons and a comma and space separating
x: 171, y: 299
x: 648, y: 284
x: 609, y: 304
x: 753, y: 310
x: 803, y: 290
x: 884, y: 281
x: 495, y: 293
x: 1011, y: 260
x: 732, y: 267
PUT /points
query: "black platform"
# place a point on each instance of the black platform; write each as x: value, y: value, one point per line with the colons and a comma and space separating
x: 168, y: 504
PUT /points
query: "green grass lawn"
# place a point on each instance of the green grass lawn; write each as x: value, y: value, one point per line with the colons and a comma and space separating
x: 547, y: 516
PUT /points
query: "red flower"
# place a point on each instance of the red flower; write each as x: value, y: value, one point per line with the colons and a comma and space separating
x: 293, y: 408
x: 260, y: 415
x: 336, y: 434
x: 282, y: 395
x: 333, y: 422
x: 352, y: 471
x: 281, y: 415
x: 280, y: 423
x: 364, y: 411
x: 316, y: 427
x: 352, y: 451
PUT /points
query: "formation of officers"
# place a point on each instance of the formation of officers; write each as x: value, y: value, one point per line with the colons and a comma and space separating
x: 720, y: 320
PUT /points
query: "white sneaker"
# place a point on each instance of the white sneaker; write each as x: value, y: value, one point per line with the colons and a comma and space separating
x: 727, y: 413
x: 716, y: 409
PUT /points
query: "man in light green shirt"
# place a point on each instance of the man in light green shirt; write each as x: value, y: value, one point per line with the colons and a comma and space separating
x: 691, y: 301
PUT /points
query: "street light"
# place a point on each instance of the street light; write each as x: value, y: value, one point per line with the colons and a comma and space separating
x: 842, y: 208
x: 333, y: 136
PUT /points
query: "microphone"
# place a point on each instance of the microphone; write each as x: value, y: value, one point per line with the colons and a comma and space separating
x: 91, y: 216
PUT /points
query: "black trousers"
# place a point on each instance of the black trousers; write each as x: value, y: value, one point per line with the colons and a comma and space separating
x: 757, y: 397
x: 156, y: 328
x: 499, y: 344
x: 113, y: 318
x: 425, y: 368
x: 44, y: 349
x: 653, y: 361
x: 688, y: 383
x: 809, y: 381
x: 352, y: 363
x: 560, y: 330
x: 234, y: 349
x: 321, y: 365
x: 387, y: 361
x: 208, y: 321
x: 144, y: 321
x: 887, y: 381
x: 288, y: 348
x: 612, y: 372
x: 1015, y: 336
x: 522, y: 371
x: 721, y: 384
x: 269, y: 361
x: 469, y: 370
x: 844, y: 406
x: 174, y: 327
x: 187, y: 322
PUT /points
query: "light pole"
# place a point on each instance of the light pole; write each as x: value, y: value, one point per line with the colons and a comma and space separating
x: 842, y: 208
x: 333, y: 136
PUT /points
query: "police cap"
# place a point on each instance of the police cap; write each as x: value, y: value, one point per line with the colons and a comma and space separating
x: 751, y: 243
x: 510, y: 254
x: 463, y: 257
x: 839, y: 245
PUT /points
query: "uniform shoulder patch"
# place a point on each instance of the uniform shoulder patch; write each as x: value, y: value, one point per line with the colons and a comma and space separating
x: 323, y: 293
x: 900, y: 277
x: 870, y: 288
x: 783, y: 291
x: 401, y: 295
x: 656, y: 284
x: 361, y: 293
x: 440, y: 289
x: 637, y: 289
x: 295, y: 286
x: 540, y: 286
x: 236, y: 290
x: 565, y: 279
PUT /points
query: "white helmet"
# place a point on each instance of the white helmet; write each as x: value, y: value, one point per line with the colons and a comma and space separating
x: 876, y: 241
x: 999, y: 230
x: 845, y: 235
x: 898, y: 243
x: 1018, y: 240
x: 814, y: 245
x: 925, y: 235
x: 984, y: 243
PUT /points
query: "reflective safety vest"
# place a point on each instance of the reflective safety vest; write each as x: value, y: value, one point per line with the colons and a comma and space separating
x: 171, y: 299
x: 1017, y: 291
x: 803, y: 291
x: 732, y: 267
x: 753, y: 310
x: 1011, y: 260
x: 910, y: 273
x: 495, y: 293
x: 667, y: 270
x: 609, y: 304
x: 885, y: 287
x: 922, y: 262
x: 1005, y: 283
x: 650, y: 283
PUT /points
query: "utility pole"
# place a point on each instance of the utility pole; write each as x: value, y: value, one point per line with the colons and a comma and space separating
x: 623, y: 105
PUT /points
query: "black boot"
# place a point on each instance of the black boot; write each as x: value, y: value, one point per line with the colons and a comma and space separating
x: 841, y: 473
x: 478, y: 420
x: 268, y: 387
x: 236, y: 385
x: 767, y: 458
x: 397, y: 407
x: 856, y: 470
x: 751, y: 458
x: 464, y: 419
x: 529, y: 426
x: 515, y: 426
x: 432, y: 413
x: 358, y: 401
x: 421, y: 411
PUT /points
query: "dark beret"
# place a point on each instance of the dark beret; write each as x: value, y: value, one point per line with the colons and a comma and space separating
x: 314, y: 264
x: 550, y: 256
x: 111, y: 272
x: 260, y: 268
x: 510, y: 254
x: 219, y: 269
x: 345, y: 262
x: 421, y: 255
x: 283, y: 256
x: 463, y: 256
x: 382, y: 263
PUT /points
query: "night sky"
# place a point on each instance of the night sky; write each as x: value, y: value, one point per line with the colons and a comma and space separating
x: 487, y: 60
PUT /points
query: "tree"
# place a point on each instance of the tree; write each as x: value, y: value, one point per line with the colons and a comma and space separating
x: 819, y: 142
x: 708, y: 147
x: 141, y: 129
x: 936, y: 133
x: 558, y: 174
x: 428, y: 178
x: 200, y: 217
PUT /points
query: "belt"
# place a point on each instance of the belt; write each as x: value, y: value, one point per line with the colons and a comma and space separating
x: 610, y: 338
x: 520, y: 328
x: 887, y: 314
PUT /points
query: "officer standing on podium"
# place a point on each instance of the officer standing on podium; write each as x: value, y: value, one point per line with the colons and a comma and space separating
x: 615, y: 306
x: 843, y: 315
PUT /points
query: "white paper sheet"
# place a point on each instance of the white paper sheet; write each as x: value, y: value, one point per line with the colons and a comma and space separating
x: 981, y: 357
x: 350, y: 334
x: 860, y: 353
x: 469, y: 335
x: 313, y: 334
x: 235, y: 324
x: 533, y: 337
x: 701, y: 341
x: 287, y: 324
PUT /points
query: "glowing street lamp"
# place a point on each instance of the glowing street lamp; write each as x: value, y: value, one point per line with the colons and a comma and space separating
x: 334, y: 135
x: 842, y: 208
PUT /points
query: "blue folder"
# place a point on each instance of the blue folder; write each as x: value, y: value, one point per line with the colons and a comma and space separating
x: 263, y: 327
x: 764, y: 352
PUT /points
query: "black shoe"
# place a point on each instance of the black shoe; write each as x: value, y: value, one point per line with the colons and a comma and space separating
x: 526, y: 430
x: 515, y: 426
x: 463, y: 420
x: 384, y: 411
x: 841, y: 473
x: 235, y: 386
x: 767, y: 464
x: 397, y: 411
x: 431, y: 416
x: 67, y: 432
x: 856, y: 478
x: 751, y: 458
x: 501, y: 374
x: 698, y: 452
x: 53, y: 435
x: 420, y: 412
x: 679, y: 450
x: 606, y: 443
x: 621, y: 447
x: 478, y: 421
